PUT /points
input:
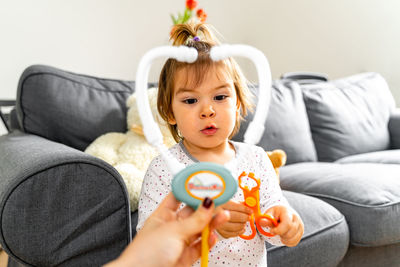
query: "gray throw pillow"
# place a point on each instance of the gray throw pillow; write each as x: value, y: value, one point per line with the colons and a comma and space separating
x: 349, y: 116
x: 70, y: 108
x: 287, y: 125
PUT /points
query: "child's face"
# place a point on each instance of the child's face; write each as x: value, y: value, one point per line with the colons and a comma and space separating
x: 205, y: 115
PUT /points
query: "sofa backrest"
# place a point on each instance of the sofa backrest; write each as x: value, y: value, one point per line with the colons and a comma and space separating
x: 75, y: 109
x: 70, y: 108
x: 349, y: 116
x: 287, y: 126
x: 320, y: 121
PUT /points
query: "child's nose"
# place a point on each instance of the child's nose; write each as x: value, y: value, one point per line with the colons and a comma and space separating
x: 207, y: 112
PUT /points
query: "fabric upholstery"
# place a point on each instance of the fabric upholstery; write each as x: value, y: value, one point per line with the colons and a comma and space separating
x: 385, y: 156
x: 60, y: 206
x: 387, y: 256
x: 349, y: 116
x: 394, y: 129
x: 13, y: 120
x: 287, y: 125
x: 70, y: 108
x: 367, y: 194
x: 325, y: 229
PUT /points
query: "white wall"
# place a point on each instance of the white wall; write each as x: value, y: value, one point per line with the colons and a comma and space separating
x: 107, y: 38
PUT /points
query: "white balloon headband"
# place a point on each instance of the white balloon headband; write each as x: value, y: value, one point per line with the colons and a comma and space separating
x: 185, y: 54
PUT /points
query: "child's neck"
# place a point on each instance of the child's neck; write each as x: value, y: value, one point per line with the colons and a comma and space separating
x: 220, y: 154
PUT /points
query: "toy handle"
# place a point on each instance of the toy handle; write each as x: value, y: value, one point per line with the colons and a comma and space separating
x: 204, y: 246
x: 245, y: 188
x: 268, y: 217
x: 253, y: 230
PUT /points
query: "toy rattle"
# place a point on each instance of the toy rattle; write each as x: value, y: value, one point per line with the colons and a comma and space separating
x: 197, y: 181
x: 252, y: 200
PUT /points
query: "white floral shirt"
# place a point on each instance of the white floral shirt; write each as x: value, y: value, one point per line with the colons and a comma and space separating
x: 249, y: 158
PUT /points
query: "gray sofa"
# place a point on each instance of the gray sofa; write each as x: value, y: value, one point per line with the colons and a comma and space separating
x: 62, y: 207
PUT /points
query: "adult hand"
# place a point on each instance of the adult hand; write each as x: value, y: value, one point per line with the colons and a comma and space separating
x: 290, y: 227
x: 239, y: 216
x: 171, y: 238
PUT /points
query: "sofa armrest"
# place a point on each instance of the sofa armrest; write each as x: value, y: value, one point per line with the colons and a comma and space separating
x: 394, y: 129
x: 58, y: 205
x: 5, y: 116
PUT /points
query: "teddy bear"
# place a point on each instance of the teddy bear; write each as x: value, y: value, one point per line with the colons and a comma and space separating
x: 278, y: 158
x: 129, y: 153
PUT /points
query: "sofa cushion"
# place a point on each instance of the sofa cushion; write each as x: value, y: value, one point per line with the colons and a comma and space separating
x: 70, y: 108
x: 349, y: 116
x: 325, y: 229
x: 385, y: 256
x: 287, y: 125
x: 367, y: 194
x: 386, y: 156
x: 394, y: 129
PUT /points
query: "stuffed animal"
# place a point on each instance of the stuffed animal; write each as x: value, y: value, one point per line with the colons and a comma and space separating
x: 278, y: 158
x: 129, y: 152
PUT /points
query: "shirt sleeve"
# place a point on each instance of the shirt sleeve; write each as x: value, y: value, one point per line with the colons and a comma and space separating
x: 270, y: 191
x: 155, y: 188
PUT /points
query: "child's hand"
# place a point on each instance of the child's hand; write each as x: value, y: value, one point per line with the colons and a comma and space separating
x: 239, y: 215
x: 290, y: 229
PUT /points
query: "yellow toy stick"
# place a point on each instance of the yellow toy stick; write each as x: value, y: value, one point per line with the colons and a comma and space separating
x: 204, y: 246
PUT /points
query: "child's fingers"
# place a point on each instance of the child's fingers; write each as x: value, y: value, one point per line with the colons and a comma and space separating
x: 266, y: 223
x: 233, y: 227
x: 290, y: 233
x: 219, y: 219
x: 236, y: 206
x: 292, y: 240
x: 228, y: 234
x: 293, y: 236
x: 283, y: 226
x: 238, y: 217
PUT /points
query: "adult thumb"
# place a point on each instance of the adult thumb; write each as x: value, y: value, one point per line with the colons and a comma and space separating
x: 196, y: 222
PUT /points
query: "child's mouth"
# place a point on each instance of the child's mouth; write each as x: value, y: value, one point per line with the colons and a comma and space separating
x: 209, y: 130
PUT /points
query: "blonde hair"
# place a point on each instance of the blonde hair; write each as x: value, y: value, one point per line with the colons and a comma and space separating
x: 183, y: 34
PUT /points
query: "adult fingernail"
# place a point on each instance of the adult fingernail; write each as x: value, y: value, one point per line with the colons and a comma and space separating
x: 207, y: 202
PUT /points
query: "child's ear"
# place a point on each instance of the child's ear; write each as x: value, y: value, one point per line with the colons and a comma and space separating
x: 171, y: 120
x: 238, y: 104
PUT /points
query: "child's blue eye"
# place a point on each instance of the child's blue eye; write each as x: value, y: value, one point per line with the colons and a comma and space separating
x: 190, y: 101
x: 220, y: 97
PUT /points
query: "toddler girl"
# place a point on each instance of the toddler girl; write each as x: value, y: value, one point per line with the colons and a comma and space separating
x: 203, y: 103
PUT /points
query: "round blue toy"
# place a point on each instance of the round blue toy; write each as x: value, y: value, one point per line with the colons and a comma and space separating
x: 205, y: 179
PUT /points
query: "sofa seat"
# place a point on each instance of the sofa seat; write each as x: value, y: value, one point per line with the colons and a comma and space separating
x: 368, y: 194
x: 385, y: 156
x: 325, y: 229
